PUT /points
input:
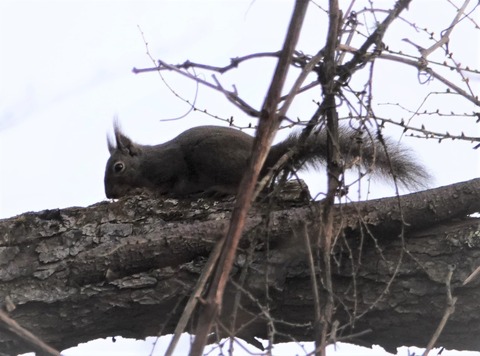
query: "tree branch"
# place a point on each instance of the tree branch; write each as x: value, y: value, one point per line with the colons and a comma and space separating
x: 82, y: 273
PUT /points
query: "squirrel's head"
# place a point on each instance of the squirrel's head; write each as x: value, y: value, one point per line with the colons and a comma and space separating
x: 122, y: 173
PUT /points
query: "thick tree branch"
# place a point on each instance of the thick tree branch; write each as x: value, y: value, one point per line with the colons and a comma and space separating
x: 82, y: 273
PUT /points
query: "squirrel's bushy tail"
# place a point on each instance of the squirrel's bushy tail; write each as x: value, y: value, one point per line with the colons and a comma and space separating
x: 379, y: 156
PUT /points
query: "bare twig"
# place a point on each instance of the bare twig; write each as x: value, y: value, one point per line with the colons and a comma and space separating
x: 232, y: 96
x: 472, y: 276
x: 234, y: 62
x: 300, y: 79
x: 445, y: 36
x: 313, y: 272
x: 434, y: 74
x: 238, y: 293
x: 193, y: 300
x: 448, y: 311
x: 35, y: 343
x: 420, y: 66
x: 375, y: 38
x: 429, y: 134
x: 401, y: 55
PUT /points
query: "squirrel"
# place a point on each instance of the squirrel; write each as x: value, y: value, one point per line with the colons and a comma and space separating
x: 213, y: 159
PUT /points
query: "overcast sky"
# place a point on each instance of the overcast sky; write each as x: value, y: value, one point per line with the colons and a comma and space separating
x: 65, y: 72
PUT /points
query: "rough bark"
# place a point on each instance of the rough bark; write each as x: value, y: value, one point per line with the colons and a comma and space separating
x: 127, y: 268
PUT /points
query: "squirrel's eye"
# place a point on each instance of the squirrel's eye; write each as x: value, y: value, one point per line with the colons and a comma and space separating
x: 118, y: 167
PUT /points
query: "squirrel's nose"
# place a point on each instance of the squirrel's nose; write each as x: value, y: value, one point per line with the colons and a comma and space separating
x: 111, y: 192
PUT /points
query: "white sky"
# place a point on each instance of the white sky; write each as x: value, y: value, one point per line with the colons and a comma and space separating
x: 65, y: 71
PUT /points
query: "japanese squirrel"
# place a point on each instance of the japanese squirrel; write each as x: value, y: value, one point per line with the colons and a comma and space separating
x: 213, y: 159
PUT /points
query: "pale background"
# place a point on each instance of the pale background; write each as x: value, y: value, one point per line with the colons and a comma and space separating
x: 65, y: 71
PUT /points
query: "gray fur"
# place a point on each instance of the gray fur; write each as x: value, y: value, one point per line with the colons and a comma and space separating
x: 214, y: 158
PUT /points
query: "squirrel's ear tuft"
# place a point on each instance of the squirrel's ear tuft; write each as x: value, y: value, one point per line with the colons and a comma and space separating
x: 111, y: 146
x: 122, y: 142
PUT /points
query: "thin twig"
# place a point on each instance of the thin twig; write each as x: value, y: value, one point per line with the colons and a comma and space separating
x: 232, y: 96
x: 375, y: 38
x: 421, y: 67
x: 26, y: 336
x: 446, y: 36
x: 472, y: 276
x: 193, y: 300
x: 434, y: 74
x: 313, y: 272
x: 307, y: 69
x: 448, y: 311
x: 234, y: 62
